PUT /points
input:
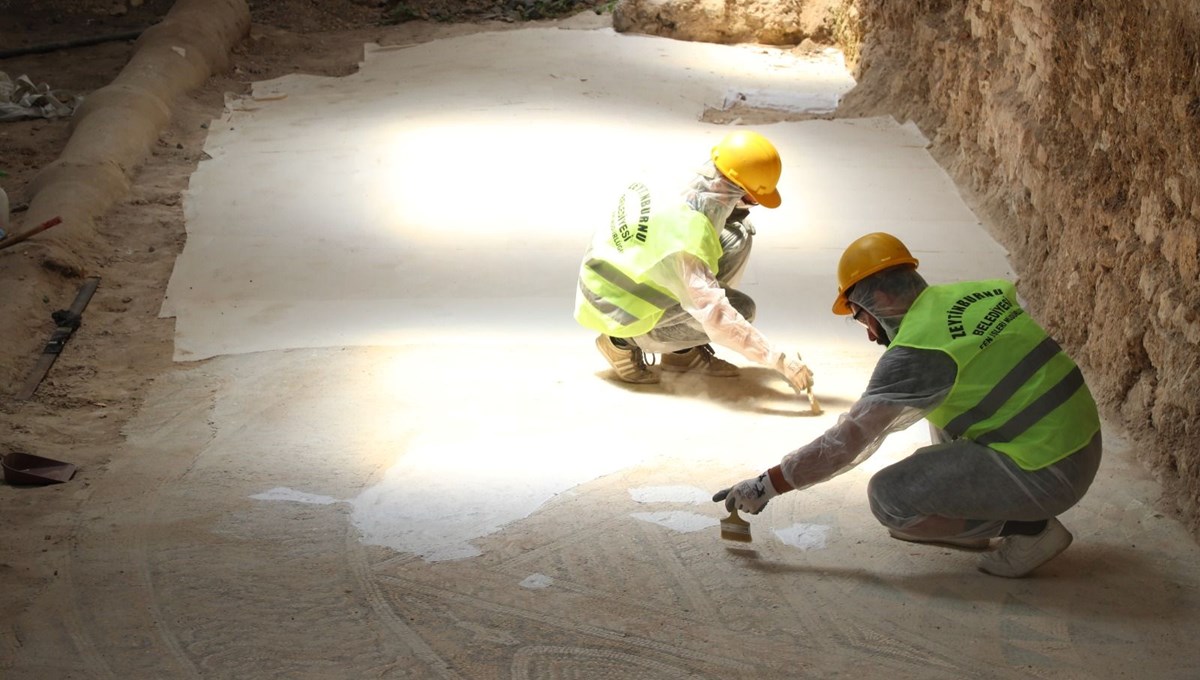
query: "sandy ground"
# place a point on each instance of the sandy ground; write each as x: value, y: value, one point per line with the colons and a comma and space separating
x: 211, y: 530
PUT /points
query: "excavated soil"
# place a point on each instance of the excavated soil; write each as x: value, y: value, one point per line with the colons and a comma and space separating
x: 96, y: 383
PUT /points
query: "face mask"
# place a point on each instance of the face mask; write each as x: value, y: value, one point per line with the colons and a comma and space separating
x: 739, y: 214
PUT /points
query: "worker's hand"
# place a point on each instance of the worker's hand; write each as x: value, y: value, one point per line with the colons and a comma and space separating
x: 794, y: 371
x: 749, y: 496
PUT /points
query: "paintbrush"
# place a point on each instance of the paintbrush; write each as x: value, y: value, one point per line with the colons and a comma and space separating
x: 734, y: 528
x: 813, y: 404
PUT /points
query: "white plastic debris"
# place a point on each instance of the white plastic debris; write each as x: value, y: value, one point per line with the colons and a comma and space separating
x: 21, y: 99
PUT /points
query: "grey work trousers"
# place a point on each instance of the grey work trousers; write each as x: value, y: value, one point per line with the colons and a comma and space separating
x: 964, y: 480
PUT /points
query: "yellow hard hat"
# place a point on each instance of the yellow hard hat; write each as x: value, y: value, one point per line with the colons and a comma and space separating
x: 752, y: 163
x: 866, y: 256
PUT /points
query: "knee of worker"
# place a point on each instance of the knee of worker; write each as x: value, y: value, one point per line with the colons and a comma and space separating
x: 735, y: 253
x: 736, y: 239
x: 743, y: 303
x: 892, y: 499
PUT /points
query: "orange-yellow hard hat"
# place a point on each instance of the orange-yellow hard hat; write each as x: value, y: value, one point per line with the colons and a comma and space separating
x: 752, y: 163
x: 866, y: 256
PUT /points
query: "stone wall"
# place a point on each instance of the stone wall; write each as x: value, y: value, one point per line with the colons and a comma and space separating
x: 771, y: 22
x: 1074, y: 129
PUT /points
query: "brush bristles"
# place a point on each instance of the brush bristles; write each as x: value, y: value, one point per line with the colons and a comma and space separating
x: 736, y: 534
x: 734, y: 528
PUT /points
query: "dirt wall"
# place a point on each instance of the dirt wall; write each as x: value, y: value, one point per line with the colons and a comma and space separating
x: 1074, y: 128
x: 772, y: 22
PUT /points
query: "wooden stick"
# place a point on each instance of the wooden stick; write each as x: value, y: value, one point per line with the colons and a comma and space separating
x: 36, y: 230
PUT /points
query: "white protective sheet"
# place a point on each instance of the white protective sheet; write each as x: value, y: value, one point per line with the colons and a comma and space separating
x: 436, y: 206
x: 448, y: 189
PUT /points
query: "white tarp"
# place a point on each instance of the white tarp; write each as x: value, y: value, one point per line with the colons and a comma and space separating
x: 450, y: 188
x: 436, y: 205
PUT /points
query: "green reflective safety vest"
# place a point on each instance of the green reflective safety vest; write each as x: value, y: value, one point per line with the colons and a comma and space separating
x: 1016, y: 390
x: 615, y: 297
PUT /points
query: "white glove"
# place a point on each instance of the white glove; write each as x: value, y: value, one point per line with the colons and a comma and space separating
x: 794, y: 371
x: 751, y: 495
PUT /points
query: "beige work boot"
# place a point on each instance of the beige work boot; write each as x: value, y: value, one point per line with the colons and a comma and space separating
x: 629, y: 362
x: 699, y: 357
x: 967, y: 544
x: 1018, y: 555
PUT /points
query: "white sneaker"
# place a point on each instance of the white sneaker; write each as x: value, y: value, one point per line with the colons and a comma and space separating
x: 1019, y: 555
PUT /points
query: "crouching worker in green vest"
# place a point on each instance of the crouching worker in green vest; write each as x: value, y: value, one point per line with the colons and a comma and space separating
x: 1016, y: 436
x: 659, y: 277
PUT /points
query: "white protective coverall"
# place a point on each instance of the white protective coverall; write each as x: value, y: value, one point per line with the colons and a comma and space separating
x: 703, y: 297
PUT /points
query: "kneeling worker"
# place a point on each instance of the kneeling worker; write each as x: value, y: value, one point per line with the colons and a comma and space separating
x: 659, y: 277
x: 1016, y: 432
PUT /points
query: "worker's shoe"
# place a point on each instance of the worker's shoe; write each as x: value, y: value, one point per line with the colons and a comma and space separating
x: 967, y: 544
x: 629, y: 362
x: 1019, y: 555
x: 699, y: 357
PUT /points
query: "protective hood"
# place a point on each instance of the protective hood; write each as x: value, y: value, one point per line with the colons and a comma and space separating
x: 888, y: 295
x: 713, y: 195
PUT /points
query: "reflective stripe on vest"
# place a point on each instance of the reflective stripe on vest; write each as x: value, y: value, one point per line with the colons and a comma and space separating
x: 615, y: 295
x: 610, y: 273
x: 1053, y: 398
x: 606, y: 308
x: 661, y: 301
x: 1005, y: 389
x: 1015, y: 391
